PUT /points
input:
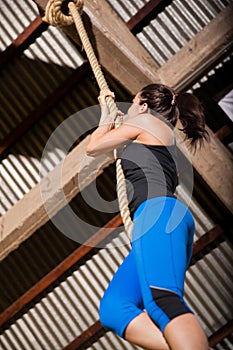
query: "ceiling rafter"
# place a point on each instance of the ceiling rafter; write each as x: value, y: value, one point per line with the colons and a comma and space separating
x: 23, y: 41
x: 224, y: 134
x: 93, y: 333
x: 221, y: 333
x: 207, y: 242
x: 202, y: 53
x: 96, y: 330
x: 144, y: 15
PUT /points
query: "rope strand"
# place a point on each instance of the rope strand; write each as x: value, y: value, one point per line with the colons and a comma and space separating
x: 54, y: 16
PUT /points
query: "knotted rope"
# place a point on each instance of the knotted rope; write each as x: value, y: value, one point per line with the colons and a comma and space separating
x: 55, y: 16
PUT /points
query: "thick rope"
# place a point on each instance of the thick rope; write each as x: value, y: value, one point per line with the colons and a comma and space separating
x: 54, y: 16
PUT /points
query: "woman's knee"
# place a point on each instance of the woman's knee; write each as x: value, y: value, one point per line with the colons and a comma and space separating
x: 110, y: 314
x: 115, y: 315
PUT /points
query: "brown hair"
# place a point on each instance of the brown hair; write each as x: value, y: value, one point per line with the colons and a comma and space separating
x: 185, y: 106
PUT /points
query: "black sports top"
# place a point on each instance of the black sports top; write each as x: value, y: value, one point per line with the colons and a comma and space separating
x: 150, y: 171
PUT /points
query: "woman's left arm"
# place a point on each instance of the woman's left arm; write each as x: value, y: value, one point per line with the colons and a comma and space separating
x: 105, y: 139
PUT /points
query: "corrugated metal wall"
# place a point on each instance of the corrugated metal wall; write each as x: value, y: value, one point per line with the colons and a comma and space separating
x: 70, y: 307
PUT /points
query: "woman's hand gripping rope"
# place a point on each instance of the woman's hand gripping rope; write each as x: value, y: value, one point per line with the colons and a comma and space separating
x: 108, y: 117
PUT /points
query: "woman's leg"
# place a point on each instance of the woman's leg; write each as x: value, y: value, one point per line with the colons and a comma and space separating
x: 122, y: 300
x: 121, y: 309
x: 143, y: 332
x: 185, y: 333
x: 162, y: 235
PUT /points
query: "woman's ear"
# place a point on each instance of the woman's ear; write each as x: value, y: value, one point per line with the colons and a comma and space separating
x: 143, y: 108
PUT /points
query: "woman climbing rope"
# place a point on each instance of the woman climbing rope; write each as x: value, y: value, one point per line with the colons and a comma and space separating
x: 144, y: 301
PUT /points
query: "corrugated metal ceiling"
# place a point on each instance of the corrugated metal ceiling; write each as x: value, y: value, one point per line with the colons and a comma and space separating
x: 174, y: 26
x: 70, y: 306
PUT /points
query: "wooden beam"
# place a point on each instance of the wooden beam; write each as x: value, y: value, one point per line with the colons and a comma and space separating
x: 23, y: 41
x: 214, y: 163
x: 206, y: 243
x: 201, y: 53
x: 143, y: 16
x: 221, y: 334
x: 95, y: 330
x: 224, y: 133
x: 44, y: 107
x: 60, y: 269
x: 62, y: 184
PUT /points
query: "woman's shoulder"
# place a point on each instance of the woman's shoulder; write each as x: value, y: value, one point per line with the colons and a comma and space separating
x: 154, y: 130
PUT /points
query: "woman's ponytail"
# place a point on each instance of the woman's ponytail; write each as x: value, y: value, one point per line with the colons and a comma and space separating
x: 191, y: 115
x: 184, y: 106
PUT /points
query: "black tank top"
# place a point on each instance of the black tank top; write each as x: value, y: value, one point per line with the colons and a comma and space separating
x: 150, y: 171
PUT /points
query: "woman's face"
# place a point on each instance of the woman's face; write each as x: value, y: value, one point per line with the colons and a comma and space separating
x: 135, y: 108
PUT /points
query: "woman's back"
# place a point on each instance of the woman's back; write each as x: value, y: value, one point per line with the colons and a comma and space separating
x: 150, y: 171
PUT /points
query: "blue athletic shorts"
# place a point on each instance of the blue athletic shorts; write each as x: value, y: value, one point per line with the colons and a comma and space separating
x: 151, y: 278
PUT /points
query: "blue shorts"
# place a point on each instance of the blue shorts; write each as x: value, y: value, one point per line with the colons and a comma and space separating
x: 151, y: 278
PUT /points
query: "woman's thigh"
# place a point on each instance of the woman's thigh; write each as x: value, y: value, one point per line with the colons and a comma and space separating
x: 161, y: 243
x: 160, y: 247
x: 122, y: 300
